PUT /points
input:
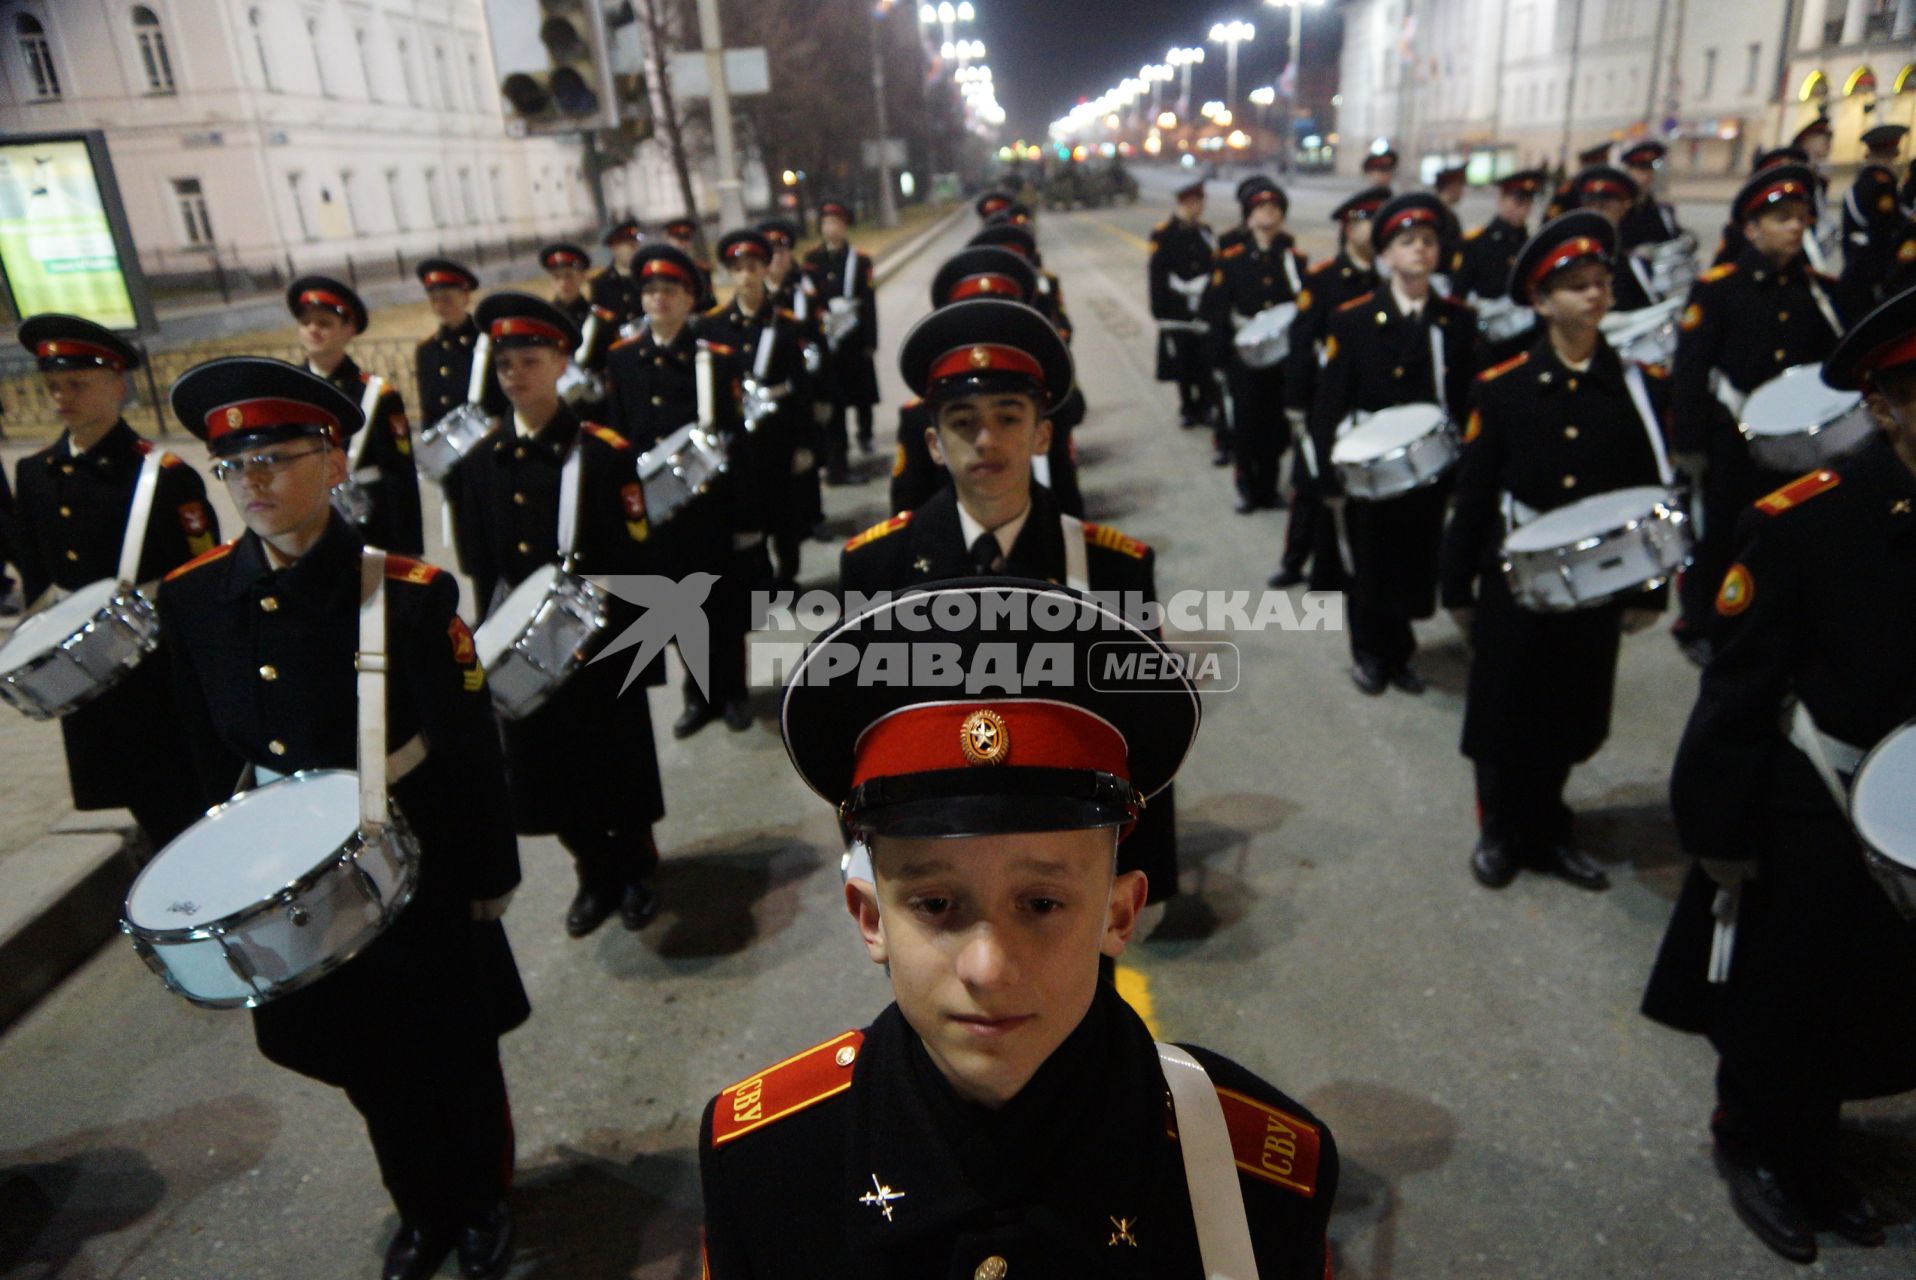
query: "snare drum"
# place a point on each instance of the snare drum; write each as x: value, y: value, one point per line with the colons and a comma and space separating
x: 270, y: 892
x: 533, y: 642
x: 1501, y: 319
x: 1882, y: 808
x: 1395, y: 451
x: 580, y: 386
x: 1598, y: 549
x: 1647, y: 335
x: 679, y: 469
x: 440, y: 446
x: 354, y: 501
x: 1794, y: 423
x: 70, y: 653
x: 1673, y: 266
x: 1265, y: 338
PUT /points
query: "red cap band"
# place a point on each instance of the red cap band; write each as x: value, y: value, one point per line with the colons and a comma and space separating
x: 256, y: 415
x: 563, y: 259
x: 744, y: 249
x: 992, y: 206
x: 1263, y: 195
x: 72, y: 348
x: 330, y: 301
x: 1571, y: 250
x: 988, y: 284
x: 833, y: 209
x: 1788, y: 189
x: 1379, y: 162
x: 1416, y: 216
x: 1892, y: 353
x: 1029, y: 734
x: 664, y: 267
x: 622, y: 234
x: 525, y: 327
x: 446, y: 277
x: 984, y: 357
x: 1605, y: 187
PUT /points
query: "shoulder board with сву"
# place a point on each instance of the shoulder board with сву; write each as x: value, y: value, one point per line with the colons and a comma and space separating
x: 407, y: 569
x: 204, y: 558
x: 1797, y: 492
x: 609, y: 436
x: 1103, y: 535
x: 1270, y: 1143
x: 801, y: 1081
x: 879, y: 530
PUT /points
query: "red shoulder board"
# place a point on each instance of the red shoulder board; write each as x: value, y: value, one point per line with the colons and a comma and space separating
x: 717, y: 348
x: 605, y: 314
x: 1325, y: 265
x: 1231, y: 250
x: 1499, y: 370
x: 1717, y: 273
x: 1361, y: 300
x: 626, y: 342
x: 172, y: 460
x: 1797, y: 492
x: 610, y: 436
x: 1271, y: 1144
x: 1654, y: 370
x: 912, y: 403
x: 788, y: 314
x: 407, y: 569
x: 1906, y: 251
x: 204, y: 558
x: 715, y: 310
x: 143, y: 447
x: 879, y: 530
x: 1457, y: 303
x: 805, y: 1080
x: 1103, y: 535
x: 1474, y: 232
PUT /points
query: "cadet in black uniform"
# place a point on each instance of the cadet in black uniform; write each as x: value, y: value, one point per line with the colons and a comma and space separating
x: 1491, y: 250
x: 124, y: 747
x: 1817, y: 611
x: 1448, y: 186
x: 683, y: 234
x: 1050, y: 296
x: 616, y: 289
x: 653, y: 380
x: 1745, y: 323
x: 1551, y: 427
x: 443, y: 361
x: 330, y: 315
x: 1008, y: 1114
x: 1732, y: 242
x: 568, y: 264
x: 1872, y: 215
x: 990, y: 380
x: 982, y: 271
x: 583, y: 766
x: 1378, y: 353
x: 841, y: 279
x: 1179, y: 271
x: 1611, y: 192
x: 264, y: 631
x: 992, y: 202
x: 1310, y: 543
x: 10, y: 602
x: 1380, y: 168
x: 1648, y: 220
x: 793, y: 292
x: 777, y: 365
x: 1262, y: 271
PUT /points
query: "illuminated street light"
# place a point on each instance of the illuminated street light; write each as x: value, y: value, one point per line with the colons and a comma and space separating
x: 966, y: 13
x: 1167, y: 120
x: 1210, y: 110
x: 1231, y: 35
x: 927, y: 14
x: 1184, y: 60
x: 1263, y: 97
x: 946, y: 13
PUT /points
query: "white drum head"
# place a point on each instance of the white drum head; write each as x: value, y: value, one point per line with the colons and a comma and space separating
x: 246, y: 851
x: 1796, y: 400
x: 51, y: 625
x: 1386, y: 430
x: 1597, y: 514
x: 1882, y: 801
x: 497, y: 633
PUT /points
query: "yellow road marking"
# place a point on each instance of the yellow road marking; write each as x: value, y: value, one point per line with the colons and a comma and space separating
x: 1121, y: 233
x: 1135, y: 989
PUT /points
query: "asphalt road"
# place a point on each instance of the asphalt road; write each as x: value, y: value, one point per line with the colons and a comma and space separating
x: 1502, y: 1109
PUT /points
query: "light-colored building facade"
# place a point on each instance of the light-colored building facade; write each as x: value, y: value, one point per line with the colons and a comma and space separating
x: 1505, y: 83
x: 293, y: 133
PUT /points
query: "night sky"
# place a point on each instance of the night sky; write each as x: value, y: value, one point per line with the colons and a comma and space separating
x: 1046, y: 54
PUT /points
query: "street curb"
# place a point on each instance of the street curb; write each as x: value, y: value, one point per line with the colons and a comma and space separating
x: 892, y: 263
x: 60, y: 901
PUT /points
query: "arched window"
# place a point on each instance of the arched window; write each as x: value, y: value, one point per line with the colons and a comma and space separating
x: 1906, y: 80
x: 254, y: 21
x: 153, y: 57
x: 1816, y: 87
x: 1861, y: 80
x: 38, y: 55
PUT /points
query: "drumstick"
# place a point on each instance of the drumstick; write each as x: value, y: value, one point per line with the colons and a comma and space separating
x: 1723, y: 936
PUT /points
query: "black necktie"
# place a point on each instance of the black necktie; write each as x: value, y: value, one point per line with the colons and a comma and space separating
x: 984, y: 553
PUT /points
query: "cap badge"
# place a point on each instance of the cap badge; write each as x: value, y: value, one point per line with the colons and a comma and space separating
x: 983, y: 738
x: 235, y: 418
x: 980, y: 359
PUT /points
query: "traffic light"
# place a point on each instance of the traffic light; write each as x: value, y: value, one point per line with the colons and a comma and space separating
x: 556, y: 60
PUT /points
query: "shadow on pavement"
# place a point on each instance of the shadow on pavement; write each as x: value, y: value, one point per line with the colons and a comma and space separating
x: 1631, y: 825
x: 589, y: 1217
x: 1110, y: 503
x: 1212, y: 856
x: 1384, y: 1135
x: 1445, y: 665
x: 721, y: 896
x: 57, y: 1197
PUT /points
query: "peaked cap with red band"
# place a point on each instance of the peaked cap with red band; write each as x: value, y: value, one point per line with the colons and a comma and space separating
x: 680, y: 228
x: 1362, y: 206
x: 1524, y: 182
x: 1883, y: 339
x: 1603, y: 182
x: 1779, y: 155
x: 1402, y: 213
x: 327, y: 294
x: 1006, y: 748
x: 562, y: 253
x: 984, y: 271
x: 782, y: 232
x: 665, y: 262
x: 62, y: 342
x: 436, y: 273
x: 833, y: 208
x: 625, y: 231
x: 1582, y: 235
x: 242, y: 402
x: 744, y: 244
x: 1385, y: 161
x: 520, y: 320
x: 992, y: 201
x: 1008, y: 235
x: 984, y: 346
x: 1644, y: 155
x: 1817, y: 128
x: 1257, y: 191
x: 1774, y: 185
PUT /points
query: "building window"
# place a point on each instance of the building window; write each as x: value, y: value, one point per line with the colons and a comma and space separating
x: 153, y: 57
x: 435, y: 202
x: 498, y: 193
x: 397, y: 201
x: 346, y: 198
x: 365, y: 64
x: 465, y: 196
x: 319, y: 63
x: 1752, y: 69
x: 38, y: 54
x: 295, y: 184
x: 1709, y: 74
x: 406, y: 70
x: 191, y: 202
x: 254, y: 21
x: 475, y: 86
x: 442, y: 80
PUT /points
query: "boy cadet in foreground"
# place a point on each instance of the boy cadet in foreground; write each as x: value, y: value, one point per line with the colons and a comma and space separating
x: 1009, y: 1114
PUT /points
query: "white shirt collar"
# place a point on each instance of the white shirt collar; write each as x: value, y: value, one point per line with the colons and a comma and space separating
x: 521, y: 428
x: 1006, y: 533
x: 1405, y: 306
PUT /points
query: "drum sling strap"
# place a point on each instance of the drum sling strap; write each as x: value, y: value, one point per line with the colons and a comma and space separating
x: 1518, y: 514
x: 1077, y: 561
x: 369, y: 401
x: 133, y: 539
x: 1210, y: 1169
x: 1823, y: 304
x: 702, y: 379
x: 569, y: 485
x: 587, y: 336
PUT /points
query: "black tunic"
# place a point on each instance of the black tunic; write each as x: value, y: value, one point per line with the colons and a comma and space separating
x: 1185, y: 250
x: 1872, y: 216
x: 881, y: 1170
x: 1647, y: 221
x: 386, y: 468
x: 767, y: 450
x: 619, y: 293
x: 122, y: 748
x: 1824, y: 972
x: 1541, y: 684
x: 434, y: 978
x: 1489, y: 253
x: 443, y: 363
x: 850, y: 377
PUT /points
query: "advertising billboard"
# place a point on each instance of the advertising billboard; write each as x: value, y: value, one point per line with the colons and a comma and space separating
x: 64, y: 243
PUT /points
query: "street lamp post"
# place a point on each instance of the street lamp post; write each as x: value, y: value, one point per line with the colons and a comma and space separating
x: 1231, y: 35
x: 1184, y: 60
x: 1291, y: 70
x: 1262, y: 97
x: 887, y: 207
